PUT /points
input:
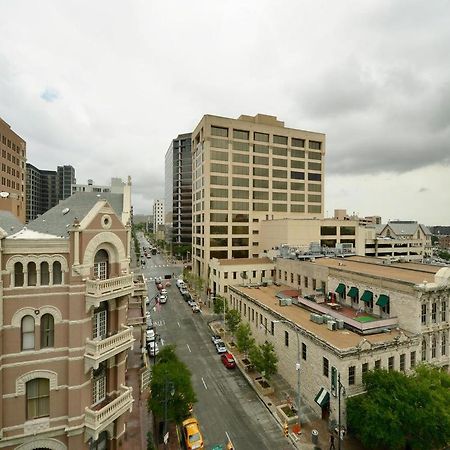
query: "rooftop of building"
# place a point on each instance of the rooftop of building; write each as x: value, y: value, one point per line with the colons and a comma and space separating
x: 56, y: 221
x: 300, y: 316
x: 244, y: 261
x: 9, y: 223
x: 365, y: 265
x: 403, y: 228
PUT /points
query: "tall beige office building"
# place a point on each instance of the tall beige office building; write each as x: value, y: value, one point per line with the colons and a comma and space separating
x: 13, y: 160
x: 246, y: 170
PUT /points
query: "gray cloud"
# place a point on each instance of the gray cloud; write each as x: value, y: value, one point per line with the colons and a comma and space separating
x: 50, y: 95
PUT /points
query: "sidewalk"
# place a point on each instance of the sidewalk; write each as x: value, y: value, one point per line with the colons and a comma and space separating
x: 282, y: 390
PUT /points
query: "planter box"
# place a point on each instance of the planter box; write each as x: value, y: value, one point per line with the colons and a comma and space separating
x: 263, y: 386
x: 285, y: 418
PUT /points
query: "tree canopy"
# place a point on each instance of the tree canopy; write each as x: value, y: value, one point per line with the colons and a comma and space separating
x: 232, y: 319
x: 264, y: 358
x: 400, y: 411
x: 244, y: 338
x: 171, y: 383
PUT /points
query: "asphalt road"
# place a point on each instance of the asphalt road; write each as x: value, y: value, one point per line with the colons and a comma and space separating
x: 227, y: 405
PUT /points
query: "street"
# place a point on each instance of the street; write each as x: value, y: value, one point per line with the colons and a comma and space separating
x: 226, y: 405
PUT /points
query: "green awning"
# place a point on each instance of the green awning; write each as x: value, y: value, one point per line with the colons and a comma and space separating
x: 383, y: 300
x: 340, y: 289
x: 353, y: 292
x: 322, y: 398
x: 367, y: 296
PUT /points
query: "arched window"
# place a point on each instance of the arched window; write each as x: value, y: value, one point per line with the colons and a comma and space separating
x: 32, y: 275
x: 38, y: 396
x: 101, y: 265
x: 45, y: 274
x: 57, y: 273
x: 27, y: 328
x: 47, y: 331
x: 18, y: 274
x: 424, y: 350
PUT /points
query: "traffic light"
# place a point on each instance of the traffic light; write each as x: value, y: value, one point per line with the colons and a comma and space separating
x: 286, y: 429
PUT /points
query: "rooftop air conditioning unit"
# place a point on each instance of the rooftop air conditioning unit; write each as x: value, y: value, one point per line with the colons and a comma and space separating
x: 331, y: 325
x: 340, y: 324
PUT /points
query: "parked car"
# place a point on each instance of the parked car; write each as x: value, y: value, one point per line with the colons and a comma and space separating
x: 158, y: 280
x: 220, y: 347
x: 195, y: 307
x: 163, y: 291
x: 191, y: 302
x: 192, y: 436
x: 215, y: 338
x: 150, y: 336
x: 153, y: 348
x: 183, y: 290
x: 162, y: 299
x: 187, y: 296
x: 147, y: 300
x: 228, y: 360
x: 180, y: 283
x: 149, y: 322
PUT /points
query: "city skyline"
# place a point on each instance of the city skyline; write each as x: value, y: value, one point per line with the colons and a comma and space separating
x: 90, y: 92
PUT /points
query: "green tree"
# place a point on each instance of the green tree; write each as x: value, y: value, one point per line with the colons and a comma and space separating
x: 171, y: 383
x: 219, y: 305
x: 232, y: 319
x: 244, y: 338
x: 400, y: 411
x: 264, y: 359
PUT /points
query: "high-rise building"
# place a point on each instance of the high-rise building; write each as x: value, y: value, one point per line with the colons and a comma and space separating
x: 63, y: 333
x: 178, y: 190
x: 66, y: 177
x: 158, y: 215
x: 116, y: 187
x: 13, y: 158
x: 45, y: 188
x: 246, y: 170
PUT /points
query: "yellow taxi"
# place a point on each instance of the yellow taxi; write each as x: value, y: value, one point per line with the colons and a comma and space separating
x: 192, y: 435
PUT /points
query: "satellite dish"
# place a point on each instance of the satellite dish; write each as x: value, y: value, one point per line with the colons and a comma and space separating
x: 65, y: 211
x: 4, y: 194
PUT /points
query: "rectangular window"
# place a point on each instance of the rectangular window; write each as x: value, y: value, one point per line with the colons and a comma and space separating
x: 412, y: 360
x: 241, y: 146
x: 218, y: 204
x: 261, y: 160
x: 279, y: 196
x: 239, y: 206
x: 314, y: 177
x: 219, y: 143
x: 297, y: 197
x: 239, y: 157
x: 286, y: 338
x: 315, y: 209
x: 261, y: 137
x: 297, y: 186
x: 260, y: 195
x: 38, y: 398
x: 279, y: 173
x: 260, y: 172
x: 315, y: 145
x: 279, y: 184
x: 347, y: 231
x: 278, y: 162
x: 279, y: 207
x: 314, y: 187
x: 240, y: 242
x: 240, y: 194
x: 218, y: 229
x: 433, y: 312
x: 351, y: 375
x: 443, y: 311
x: 325, y: 367
x: 314, y: 198
x: 218, y: 217
x: 295, y: 142
x: 241, y: 134
x: 260, y: 183
x: 315, y: 155
x: 283, y: 140
x: 304, y: 351
x: 391, y: 363
x: 219, y: 156
x: 365, y: 368
x: 220, y: 168
x: 240, y: 229
x: 277, y: 151
x: 258, y: 148
x: 298, y: 154
x: 239, y: 217
x: 297, y: 175
x: 328, y: 231
x: 378, y: 364
x: 260, y: 207
x: 424, y: 314
x: 221, y: 181
x: 243, y: 182
x: 297, y: 164
x: 225, y: 275
x: 314, y: 166
x: 219, y: 131
x: 402, y: 362
x: 215, y: 192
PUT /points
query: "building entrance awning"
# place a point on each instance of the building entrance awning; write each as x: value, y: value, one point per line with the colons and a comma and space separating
x: 322, y: 398
x: 383, y: 300
x: 353, y: 292
x: 340, y: 289
x: 367, y: 296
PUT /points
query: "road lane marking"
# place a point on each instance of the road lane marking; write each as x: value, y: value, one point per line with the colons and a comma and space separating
x: 178, y: 323
x: 229, y: 439
x: 189, y: 348
x: 204, y: 384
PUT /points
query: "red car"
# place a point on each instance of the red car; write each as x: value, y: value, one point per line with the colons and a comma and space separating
x: 228, y: 360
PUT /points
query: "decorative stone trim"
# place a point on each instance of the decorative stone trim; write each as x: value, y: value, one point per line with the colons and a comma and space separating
x: 36, y: 313
x: 23, y: 380
x: 108, y: 241
x: 38, y: 259
x: 51, y: 444
x: 106, y: 221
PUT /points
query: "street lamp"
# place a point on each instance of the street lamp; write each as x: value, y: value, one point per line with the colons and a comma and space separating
x: 297, y: 368
x: 341, y: 390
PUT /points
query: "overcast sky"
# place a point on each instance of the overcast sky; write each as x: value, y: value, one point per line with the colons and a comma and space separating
x: 106, y: 85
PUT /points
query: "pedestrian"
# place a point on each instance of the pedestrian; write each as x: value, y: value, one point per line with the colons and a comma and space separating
x: 332, y: 447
